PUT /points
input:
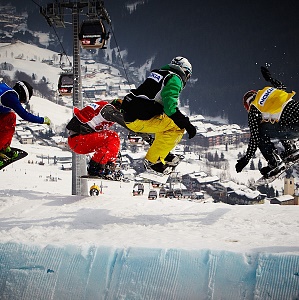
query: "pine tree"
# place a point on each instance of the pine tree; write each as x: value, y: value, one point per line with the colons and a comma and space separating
x: 259, y: 165
x: 216, y: 157
x: 222, y: 156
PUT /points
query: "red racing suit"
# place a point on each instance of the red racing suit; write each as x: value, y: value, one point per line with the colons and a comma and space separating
x: 89, y: 132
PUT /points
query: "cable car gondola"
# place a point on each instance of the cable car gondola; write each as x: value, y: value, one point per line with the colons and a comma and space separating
x: 93, y: 34
x: 65, y: 84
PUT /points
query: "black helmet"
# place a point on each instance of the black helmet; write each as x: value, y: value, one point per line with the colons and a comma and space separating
x: 24, y: 90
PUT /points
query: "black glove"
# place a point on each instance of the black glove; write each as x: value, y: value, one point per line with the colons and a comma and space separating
x: 241, y: 164
x: 191, y: 130
x: 266, y: 73
x: 183, y: 121
x: 180, y: 120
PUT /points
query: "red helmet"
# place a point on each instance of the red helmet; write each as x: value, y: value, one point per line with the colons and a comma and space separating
x: 248, y: 98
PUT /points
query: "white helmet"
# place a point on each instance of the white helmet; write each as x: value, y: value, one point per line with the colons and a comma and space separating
x: 183, y: 63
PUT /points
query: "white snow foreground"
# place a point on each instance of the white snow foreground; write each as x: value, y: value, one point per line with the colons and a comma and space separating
x: 116, y: 246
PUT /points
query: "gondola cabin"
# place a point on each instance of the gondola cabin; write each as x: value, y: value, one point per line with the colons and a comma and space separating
x: 93, y: 34
x: 65, y: 84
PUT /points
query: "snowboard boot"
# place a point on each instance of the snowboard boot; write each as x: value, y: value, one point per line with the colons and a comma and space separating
x: 7, y: 154
x: 173, y: 159
x: 109, y: 170
x: 159, y: 168
x: 275, y: 166
x: 95, y: 169
x: 291, y: 152
x: 290, y: 156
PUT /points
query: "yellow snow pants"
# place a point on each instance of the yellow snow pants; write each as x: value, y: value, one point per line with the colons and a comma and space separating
x: 167, y: 135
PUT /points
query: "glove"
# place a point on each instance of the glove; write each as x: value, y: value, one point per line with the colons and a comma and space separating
x: 47, y: 121
x: 266, y: 74
x: 191, y: 130
x: 241, y: 164
x: 180, y: 120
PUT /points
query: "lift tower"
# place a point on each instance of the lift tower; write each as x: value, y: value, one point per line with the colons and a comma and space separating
x: 54, y: 14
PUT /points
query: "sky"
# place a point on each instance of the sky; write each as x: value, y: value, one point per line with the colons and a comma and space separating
x: 226, y: 42
x: 36, y: 211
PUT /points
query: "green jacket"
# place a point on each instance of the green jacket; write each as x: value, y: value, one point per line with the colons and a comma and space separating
x: 158, y: 94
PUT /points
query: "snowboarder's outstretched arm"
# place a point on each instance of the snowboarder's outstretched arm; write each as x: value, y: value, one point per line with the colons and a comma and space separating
x: 110, y: 113
x: 275, y: 82
x: 10, y: 100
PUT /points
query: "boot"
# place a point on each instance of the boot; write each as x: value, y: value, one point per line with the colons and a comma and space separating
x: 109, y: 170
x: 173, y: 159
x: 158, y: 168
x: 95, y: 168
x: 275, y: 166
x: 291, y: 153
x: 7, y: 153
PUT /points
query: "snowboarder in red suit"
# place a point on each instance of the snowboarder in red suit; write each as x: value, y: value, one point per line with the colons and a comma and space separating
x: 89, y: 132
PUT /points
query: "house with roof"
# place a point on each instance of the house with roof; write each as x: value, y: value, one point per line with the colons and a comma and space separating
x: 210, y: 135
x: 198, y: 181
x: 284, y: 200
x: 247, y: 197
x: 232, y: 193
x: 25, y: 136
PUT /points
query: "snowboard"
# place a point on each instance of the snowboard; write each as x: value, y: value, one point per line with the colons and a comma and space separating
x: 263, y: 180
x: 91, y: 177
x: 163, y: 177
x: 153, y: 177
x: 21, y: 155
x: 116, y: 178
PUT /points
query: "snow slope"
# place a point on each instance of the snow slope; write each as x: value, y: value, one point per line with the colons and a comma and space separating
x: 116, y: 246
x: 119, y: 246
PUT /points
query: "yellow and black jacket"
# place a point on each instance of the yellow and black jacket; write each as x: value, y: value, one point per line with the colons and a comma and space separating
x: 270, y: 105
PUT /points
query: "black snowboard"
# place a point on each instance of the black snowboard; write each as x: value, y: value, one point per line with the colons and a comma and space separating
x: 263, y: 180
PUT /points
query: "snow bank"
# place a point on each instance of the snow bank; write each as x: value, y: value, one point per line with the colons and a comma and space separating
x: 29, y: 272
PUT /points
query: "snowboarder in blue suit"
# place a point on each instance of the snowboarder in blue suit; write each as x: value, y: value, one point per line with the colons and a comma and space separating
x: 11, y: 100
